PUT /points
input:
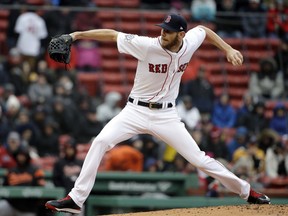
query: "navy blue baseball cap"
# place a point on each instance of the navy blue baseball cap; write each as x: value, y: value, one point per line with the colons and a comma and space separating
x: 174, y: 22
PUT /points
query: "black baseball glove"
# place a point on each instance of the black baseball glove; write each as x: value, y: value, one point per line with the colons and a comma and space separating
x: 59, y: 48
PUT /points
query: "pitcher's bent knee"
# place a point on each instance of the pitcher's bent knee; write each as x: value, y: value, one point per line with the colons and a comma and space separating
x: 103, y: 142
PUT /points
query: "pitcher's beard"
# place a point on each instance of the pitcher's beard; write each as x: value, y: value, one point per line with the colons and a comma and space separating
x: 171, y: 44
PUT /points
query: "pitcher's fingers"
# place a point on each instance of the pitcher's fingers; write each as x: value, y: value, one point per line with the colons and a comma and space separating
x: 240, y: 56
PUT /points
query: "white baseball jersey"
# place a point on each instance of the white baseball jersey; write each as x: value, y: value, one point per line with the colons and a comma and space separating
x: 31, y: 28
x: 157, y: 79
x: 159, y: 71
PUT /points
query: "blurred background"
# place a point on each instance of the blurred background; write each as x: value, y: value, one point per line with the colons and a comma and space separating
x: 49, y: 113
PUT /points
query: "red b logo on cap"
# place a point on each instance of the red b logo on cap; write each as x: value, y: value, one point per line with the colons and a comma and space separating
x: 167, y: 20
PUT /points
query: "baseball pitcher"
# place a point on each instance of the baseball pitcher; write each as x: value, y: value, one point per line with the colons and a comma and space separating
x: 150, y: 107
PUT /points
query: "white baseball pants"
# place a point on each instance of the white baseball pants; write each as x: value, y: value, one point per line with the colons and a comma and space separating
x: 164, y: 124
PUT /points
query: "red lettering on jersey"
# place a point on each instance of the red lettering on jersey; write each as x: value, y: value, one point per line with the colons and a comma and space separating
x: 158, y: 68
x: 151, y: 68
x: 164, y: 68
x: 182, y: 67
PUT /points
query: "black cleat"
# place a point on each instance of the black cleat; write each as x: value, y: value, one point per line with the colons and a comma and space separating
x: 258, y: 198
x: 63, y: 205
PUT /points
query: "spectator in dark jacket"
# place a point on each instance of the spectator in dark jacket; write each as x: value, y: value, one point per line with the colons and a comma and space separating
x: 14, y: 69
x: 9, y: 149
x: 268, y: 138
x: 89, y: 126
x: 254, y: 20
x: 281, y: 57
x: 49, y: 145
x: 240, y: 139
x: 279, y: 120
x: 246, y: 108
x: 224, y: 115
x: 255, y: 121
x: 27, y: 129
x: 4, y: 126
x: 201, y: 91
x: 24, y: 174
x: 67, y: 169
x: 227, y: 20
x: 64, y: 115
x: 216, y: 146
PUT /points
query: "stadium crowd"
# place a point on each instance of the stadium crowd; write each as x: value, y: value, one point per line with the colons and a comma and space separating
x: 43, y: 107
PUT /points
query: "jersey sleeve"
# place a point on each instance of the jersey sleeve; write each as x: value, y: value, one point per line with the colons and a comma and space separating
x: 196, y: 34
x: 42, y: 31
x: 134, y: 45
x: 19, y: 26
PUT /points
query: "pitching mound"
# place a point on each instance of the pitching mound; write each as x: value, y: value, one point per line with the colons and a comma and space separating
x: 241, y: 210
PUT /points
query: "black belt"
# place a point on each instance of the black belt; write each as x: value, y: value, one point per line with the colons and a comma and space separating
x: 151, y: 105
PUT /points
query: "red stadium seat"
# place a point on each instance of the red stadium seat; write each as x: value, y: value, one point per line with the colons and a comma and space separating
x: 231, y: 69
x: 35, y: 2
x: 131, y: 27
x: 209, y: 55
x: 214, y: 68
x: 111, y: 25
x: 207, y: 24
x: 130, y: 16
x: 238, y: 80
x: 116, y: 3
x: 109, y: 53
x: 112, y: 78
x: 105, y: 3
x: 89, y: 81
x: 110, y: 65
x: 130, y: 77
x: 4, y: 14
x: 236, y: 103
x: 253, y: 56
x: 105, y: 16
x: 207, y: 46
x: 4, y: 24
x: 128, y: 3
x: 122, y: 89
x: 151, y: 30
x: 153, y: 17
x: 255, y: 43
x: 236, y: 92
x: 234, y: 42
x: 46, y: 163
x: 217, y: 80
x: 3, y: 37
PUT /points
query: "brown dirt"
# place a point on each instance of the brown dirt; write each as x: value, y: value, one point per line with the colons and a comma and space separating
x: 241, y: 210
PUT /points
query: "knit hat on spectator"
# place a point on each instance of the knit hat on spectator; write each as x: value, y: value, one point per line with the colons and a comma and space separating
x: 13, y: 136
x: 13, y: 102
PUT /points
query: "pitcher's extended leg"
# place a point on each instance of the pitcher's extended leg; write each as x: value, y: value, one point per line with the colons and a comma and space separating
x: 121, y: 128
x: 176, y: 135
